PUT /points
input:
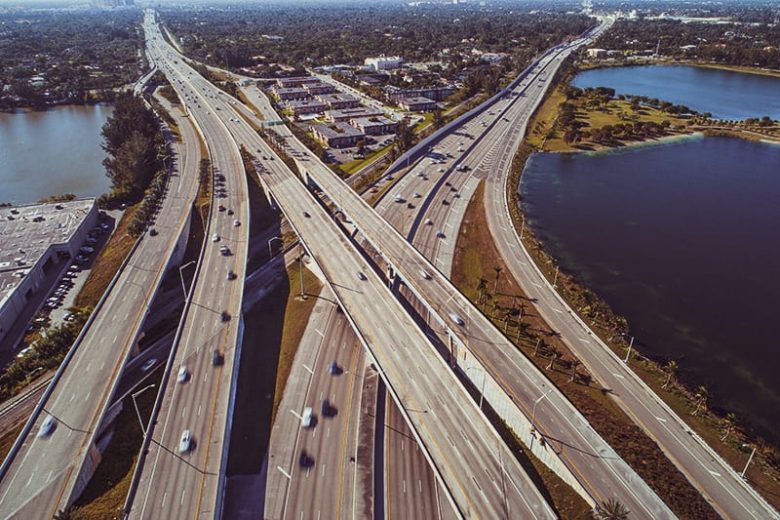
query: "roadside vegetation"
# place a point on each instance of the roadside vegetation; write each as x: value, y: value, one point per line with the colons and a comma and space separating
x: 45, y: 352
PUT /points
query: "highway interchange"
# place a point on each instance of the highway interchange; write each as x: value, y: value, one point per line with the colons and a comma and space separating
x: 473, y: 472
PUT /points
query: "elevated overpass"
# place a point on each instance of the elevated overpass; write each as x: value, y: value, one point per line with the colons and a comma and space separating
x: 409, y: 362
x: 42, y: 475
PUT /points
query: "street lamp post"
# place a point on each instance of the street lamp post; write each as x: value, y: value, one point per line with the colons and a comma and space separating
x: 533, y: 412
x: 181, y: 276
x: 630, y: 346
x: 750, y: 459
x: 270, y: 241
x: 135, y: 404
x: 555, y: 280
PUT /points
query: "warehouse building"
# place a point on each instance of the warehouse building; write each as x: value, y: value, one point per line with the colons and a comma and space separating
x: 374, y: 125
x: 336, y: 116
x: 37, y: 242
x: 337, y: 135
x: 339, y: 101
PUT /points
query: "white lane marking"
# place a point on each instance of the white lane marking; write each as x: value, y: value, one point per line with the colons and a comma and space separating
x: 165, y: 496
x: 619, y: 376
x: 183, y: 491
x: 558, y: 310
x: 661, y: 419
x: 537, y: 285
x: 199, y: 408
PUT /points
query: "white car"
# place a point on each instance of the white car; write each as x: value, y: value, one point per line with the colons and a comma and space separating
x: 182, y: 376
x: 215, y: 238
x: 47, y: 427
x: 185, y: 443
x: 148, y: 364
x: 236, y: 223
x: 361, y: 276
x: 307, y: 417
x: 457, y: 319
x: 425, y: 274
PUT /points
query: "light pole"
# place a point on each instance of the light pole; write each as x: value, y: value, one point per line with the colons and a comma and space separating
x: 522, y: 227
x: 181, y: 276
x: 300, y: 270
x: 750, y: 459
x: 135, y: 404
x: 481, y: 392
x: 630, y: 345
x: 533, y: 412
x: 555, y: 280
x: 270, y: 241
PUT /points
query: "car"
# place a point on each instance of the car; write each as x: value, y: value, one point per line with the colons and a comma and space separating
x: 91, y: 240
x: 215, y: 238
x: 148, y: 364
x: 225, y: 316
x: 216, y: 358
x: 236, y: 223
x: 361, y: 276
x: 183, y: 375
x: 307, y: 419
x: 457, y: 319
x: 417, y: 195
x: 333, y: 368
x: 306, y: 214
x: 152, y: 232
x: 86, y: 250
x: 231, y: 275
x: 47, y: 427
x: 185, y: 442
x: 221, y: 207
x: 399, y: 199
x: 428, y: 222
x: 425, y: 274
x: 441, y: 234
x: 305, y: 460
x: 327, y: 409
x: 441, y: 170
x: 224, y: 251
x: 230, y: 212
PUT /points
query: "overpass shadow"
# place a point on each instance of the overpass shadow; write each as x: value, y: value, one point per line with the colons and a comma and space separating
x: 260, y: 352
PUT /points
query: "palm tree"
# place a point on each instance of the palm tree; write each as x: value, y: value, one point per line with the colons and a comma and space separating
x: 611, y: 509
x: 671, y: 368
x: 701, y: 399
x: 481, y: 286
x: 731, y: 420
x: 498, y: 270
x: 555, y: 354
x: 575, y: 363
x: 536, y: 348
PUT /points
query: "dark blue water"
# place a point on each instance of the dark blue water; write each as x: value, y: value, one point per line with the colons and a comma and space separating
x: 725, y: 94
x: 51, y: 152
x: 684, y: 241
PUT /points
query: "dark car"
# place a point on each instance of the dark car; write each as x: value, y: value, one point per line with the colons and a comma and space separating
x: 225, y: 316
x: 305, y: 460
x: 216, y: 358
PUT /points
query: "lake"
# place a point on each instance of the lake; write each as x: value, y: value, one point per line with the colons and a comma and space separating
x: 682, y: 239
x: 725, y: 94
x: 52, y: 152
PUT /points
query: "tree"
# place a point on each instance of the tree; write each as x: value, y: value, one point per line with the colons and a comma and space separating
x: 554, y: 355
x: 731, y: 422
x: 498, y: 270
x: 481, y: 286
x: 438, y: 119
x: 575, y: 363
x: 701, y: 399
x: 404, y: 137
x: 611, y: 509
x: 670, y: 369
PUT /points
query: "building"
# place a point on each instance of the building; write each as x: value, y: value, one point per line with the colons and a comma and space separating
x: 287, y: 93
x: 396, y: 94
x: 417, y: 104
x: 301, y: 107
x: 36, y: 243
x: 337, y: 135
x: 335, y: 116
x: 384, y: 62
x: 596, y: 53
x: 339, y: 101
x: 315, y: 89
x: 379, y: 125
x: 297, y: 81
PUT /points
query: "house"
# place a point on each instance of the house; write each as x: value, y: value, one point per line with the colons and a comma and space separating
x: 384, y: 62
x: 378, y: 125
x: 417, y: 104
x: 286, y: 93
x: 337, y: 135
x: 315, y: 89
x: 301, y: 107
x: 346, y: 114
x: 396, y: 94
x: 339, y: 101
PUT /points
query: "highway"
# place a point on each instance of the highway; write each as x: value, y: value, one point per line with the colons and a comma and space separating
x: 178, y: 482
x: 42, y: 477
x: 391, y: 338
x: 594, y: 463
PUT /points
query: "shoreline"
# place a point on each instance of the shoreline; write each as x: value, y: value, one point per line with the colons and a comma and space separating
x: 744, y: 69
x: 609, y: 325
